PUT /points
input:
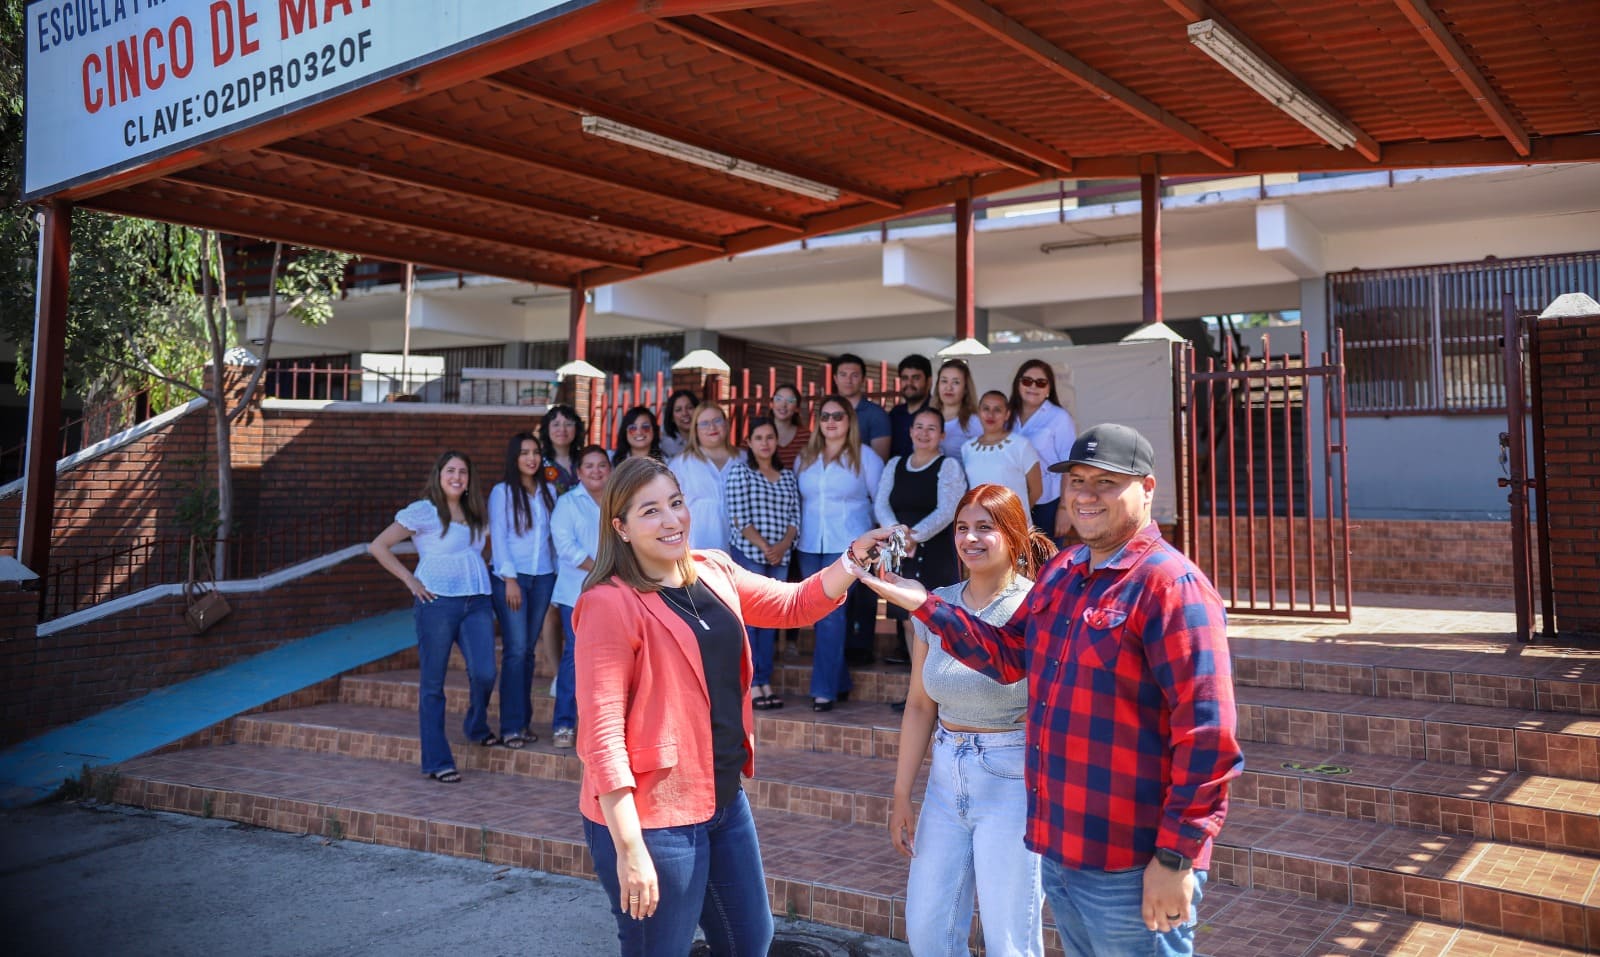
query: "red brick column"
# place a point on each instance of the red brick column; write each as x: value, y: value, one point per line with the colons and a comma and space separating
x: 1569, y: 357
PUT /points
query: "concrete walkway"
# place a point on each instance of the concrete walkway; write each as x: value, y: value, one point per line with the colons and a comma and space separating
x: 91, y: 881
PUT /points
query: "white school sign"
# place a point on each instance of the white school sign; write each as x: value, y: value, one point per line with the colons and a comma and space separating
x: 114, y: 83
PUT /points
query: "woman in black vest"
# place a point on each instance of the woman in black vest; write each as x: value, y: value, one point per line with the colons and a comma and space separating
x: 920, y: 491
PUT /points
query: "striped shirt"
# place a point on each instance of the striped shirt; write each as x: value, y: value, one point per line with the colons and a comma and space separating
x: 1131, y: 722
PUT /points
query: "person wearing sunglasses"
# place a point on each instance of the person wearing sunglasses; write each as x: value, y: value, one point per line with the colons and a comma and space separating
x: 838, y: 477
x: 702, y: 471
x: 1036, y: 414
x: 638, y: 436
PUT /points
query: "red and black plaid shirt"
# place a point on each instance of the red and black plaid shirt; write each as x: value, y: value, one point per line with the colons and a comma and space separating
x: 1130, y: 702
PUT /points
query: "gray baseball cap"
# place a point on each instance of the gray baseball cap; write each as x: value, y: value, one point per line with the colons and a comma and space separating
x: 1115, y: 448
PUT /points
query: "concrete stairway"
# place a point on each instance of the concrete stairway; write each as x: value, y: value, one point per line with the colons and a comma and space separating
x: 1395, y: 803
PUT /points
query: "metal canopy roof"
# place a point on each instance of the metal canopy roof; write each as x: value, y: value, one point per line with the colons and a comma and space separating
x: 480, y: 162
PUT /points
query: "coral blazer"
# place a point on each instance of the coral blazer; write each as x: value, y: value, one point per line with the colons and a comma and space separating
x: 644, y: 714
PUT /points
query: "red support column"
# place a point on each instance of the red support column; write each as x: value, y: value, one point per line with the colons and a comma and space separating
x: 966, y: 301
x: 44, y: 392
x: 578, y: 324
x: 1150, y: 241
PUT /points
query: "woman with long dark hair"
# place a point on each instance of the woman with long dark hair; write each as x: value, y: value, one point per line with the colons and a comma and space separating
x: 450, y: 602
x: 524, y: 576
x: 665, y: 727
x: 1038, y: 416
x: 969, y: 835
x: 561, y: 433
x: 638, y: 436
x: 763, y: 520
x: 792, y: 434
x: 677, y: 422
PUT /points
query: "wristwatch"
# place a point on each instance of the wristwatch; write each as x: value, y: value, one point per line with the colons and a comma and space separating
x: 1172, y: 860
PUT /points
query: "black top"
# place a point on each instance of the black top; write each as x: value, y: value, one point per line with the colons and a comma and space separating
x: 912, y: 496
x: 722, y: 640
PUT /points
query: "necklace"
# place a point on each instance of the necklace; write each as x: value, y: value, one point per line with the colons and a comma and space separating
x: 693, y: 609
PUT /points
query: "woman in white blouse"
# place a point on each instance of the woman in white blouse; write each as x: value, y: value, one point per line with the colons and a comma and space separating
x: 701, y: 470
x: 920, y: 492
x: 838, y: 477
x: 451, y: 592
x: 957, y: 400
x: 575, y: 528
x: 1000, y: 456
x: 524, y: 575
x: 1036, y: 414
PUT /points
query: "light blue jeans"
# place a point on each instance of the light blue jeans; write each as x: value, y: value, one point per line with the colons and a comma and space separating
x: 969, y: 838
x: 1100, y: 914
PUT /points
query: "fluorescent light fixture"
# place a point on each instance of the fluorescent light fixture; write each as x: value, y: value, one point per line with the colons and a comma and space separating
x: 710, y: 159
x: 1087, y: 242
x: 1265, y: 79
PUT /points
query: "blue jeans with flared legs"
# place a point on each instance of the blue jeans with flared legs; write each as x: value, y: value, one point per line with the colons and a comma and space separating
x: 830, y: 677
x: 566, y: 711
x: 453, y: 619
x: 519, y: 636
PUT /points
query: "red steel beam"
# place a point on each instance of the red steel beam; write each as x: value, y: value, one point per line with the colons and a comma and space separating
x: 807, y: 51
x: 581, y: 103
x: 1058, y: 61
x: 1444, y: 45
x: 380, y: 216
x: 862, y: 90
x: 1150, y: 244
x: 464, y: 139
x: 1475, y: 151
x: 404, y: 175
x: 44, y: 393
x: 578, y: 323
x: 966, y: 267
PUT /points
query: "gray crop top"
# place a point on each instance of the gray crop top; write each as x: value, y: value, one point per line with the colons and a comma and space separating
x: 966, y: 697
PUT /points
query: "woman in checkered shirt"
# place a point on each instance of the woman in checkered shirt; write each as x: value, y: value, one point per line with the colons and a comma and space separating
x: 763, y: 501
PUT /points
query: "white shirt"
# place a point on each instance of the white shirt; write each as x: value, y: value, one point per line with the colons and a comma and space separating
x: 836, y: 502
x: 575, y: 529
x: 451, y: 565
x: 513, y: 553
x: 955, y: 436
x: 1004, y: 463
x: 701, y: 482
x: 952, y: 485
x: 1052, y: 433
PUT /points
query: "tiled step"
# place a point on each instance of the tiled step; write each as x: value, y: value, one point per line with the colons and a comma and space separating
x: 1507, y: 739
x: 1548, y: 896
x: 1510, y: 807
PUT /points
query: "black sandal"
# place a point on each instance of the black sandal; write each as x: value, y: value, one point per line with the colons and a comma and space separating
x: 492, y: 741
x: 515, y: 742
x: 447, y: 776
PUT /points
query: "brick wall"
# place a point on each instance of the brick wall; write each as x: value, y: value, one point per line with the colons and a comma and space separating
x: 1569, y: 357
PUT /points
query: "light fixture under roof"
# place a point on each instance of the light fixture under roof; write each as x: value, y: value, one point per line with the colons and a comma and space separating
x: 710, y: 159
x: 1265, y: 79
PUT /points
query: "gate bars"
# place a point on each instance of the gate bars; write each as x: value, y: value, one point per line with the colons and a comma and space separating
x: 1248, y: 482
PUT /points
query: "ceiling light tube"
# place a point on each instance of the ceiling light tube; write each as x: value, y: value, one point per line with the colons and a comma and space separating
x: 710, y: 159
x: 1262, y: 77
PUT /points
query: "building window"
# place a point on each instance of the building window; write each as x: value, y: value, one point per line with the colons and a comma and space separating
x: 1426, y: 340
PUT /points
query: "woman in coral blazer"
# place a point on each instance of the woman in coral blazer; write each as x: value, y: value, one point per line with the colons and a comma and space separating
x: 664, y: 719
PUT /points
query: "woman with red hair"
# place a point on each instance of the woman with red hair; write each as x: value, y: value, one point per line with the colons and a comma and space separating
x: 969, y: 835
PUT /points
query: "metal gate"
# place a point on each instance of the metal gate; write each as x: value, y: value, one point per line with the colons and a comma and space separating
x: 1263, y: 483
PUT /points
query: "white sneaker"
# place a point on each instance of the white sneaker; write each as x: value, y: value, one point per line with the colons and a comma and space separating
x: 564, y: 738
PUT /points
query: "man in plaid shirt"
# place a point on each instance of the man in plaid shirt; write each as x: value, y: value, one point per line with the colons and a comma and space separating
x: 1130, y: 708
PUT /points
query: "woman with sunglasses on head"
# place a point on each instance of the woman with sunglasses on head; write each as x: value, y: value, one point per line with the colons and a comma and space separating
x: 524, y: 575
x: 838, y: 476
x: 637, y: 436
x: 1036, y: 414
x: 678, y: 422
x: 957, y: 399
x: 763, y: 521
x: 969, y: 836
x: 575, y: 531
x: 1000, y: 455
x: 450, y: 591
x: 919, y: 492
x: 792, y: 434
x: 560, y: 434
x: 702, y: 470
x: 665, y: 725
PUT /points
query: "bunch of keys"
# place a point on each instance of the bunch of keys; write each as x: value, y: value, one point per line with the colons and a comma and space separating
x: 892, y: 552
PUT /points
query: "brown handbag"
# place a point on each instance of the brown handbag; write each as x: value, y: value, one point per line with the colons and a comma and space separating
x: 206, y: 606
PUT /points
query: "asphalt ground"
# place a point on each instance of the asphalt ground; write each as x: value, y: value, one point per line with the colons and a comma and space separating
x: 101, y: 881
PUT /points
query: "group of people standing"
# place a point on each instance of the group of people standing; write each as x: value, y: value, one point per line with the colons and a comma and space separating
x: 1077, y: 704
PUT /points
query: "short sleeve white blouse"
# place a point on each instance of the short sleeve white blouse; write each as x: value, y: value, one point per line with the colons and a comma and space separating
x: 450, y: 564
x: 1007, y: 463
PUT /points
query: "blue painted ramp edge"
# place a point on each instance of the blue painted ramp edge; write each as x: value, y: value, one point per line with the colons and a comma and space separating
x: 33, y: 770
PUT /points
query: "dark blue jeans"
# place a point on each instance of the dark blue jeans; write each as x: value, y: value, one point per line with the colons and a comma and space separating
x: 829, y: 674
x: 566, y: 711
x: 449, y: 619
x: 519, y: 636
x: 710, y: 874
x: 761, y: 639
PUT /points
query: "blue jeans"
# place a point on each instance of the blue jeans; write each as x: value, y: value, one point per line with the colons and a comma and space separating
x: 969, y: 837
x: 1099, y: 914
x: 519, y: 636
x: 710, y: 874
x: 761, y: 639
x: 829, y: 675
x: 566, y: 711
x: 453, y: 619
x: 861, y: 619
